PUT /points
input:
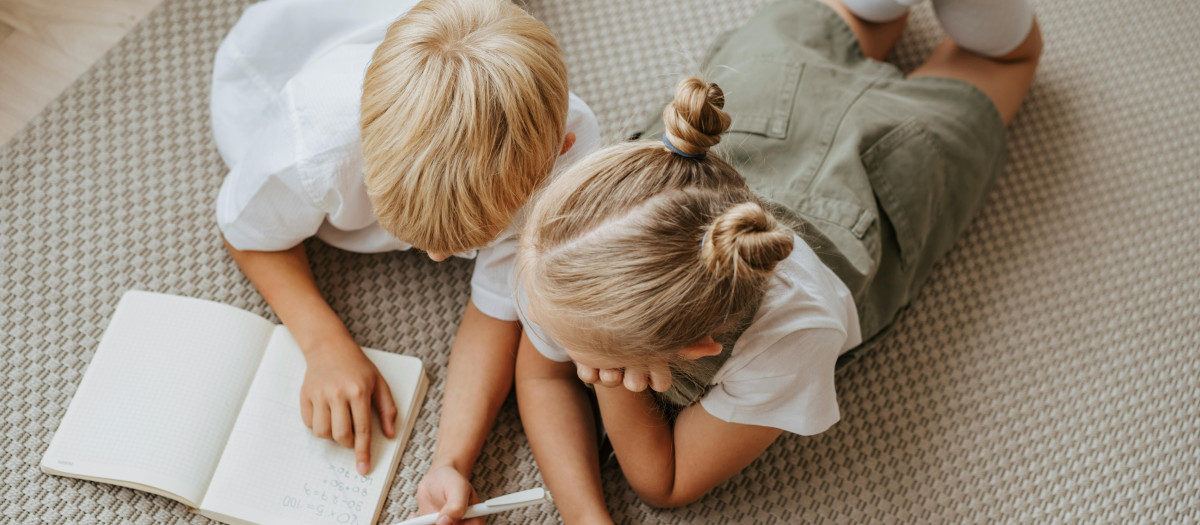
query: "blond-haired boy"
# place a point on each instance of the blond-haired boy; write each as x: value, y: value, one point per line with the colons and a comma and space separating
x: 462, y: 114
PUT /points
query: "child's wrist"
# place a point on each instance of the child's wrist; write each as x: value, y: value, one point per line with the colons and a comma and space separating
x: 596, y: 516
x: 460, y: 464
x: 331, y: 343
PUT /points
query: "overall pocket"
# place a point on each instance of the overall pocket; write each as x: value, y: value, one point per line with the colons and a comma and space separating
x: 760, y: 93
x: 785, y: 115
x: 907, y: 174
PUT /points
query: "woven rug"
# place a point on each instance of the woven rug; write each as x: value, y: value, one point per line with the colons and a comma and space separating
x: 1047, y: 373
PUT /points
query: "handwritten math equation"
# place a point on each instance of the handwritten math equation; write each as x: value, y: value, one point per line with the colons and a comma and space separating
x: 337, y: 498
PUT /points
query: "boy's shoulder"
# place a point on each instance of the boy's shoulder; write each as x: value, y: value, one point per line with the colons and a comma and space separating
x: 306, y: 130
x: 582, y: 122
x: 294, y: 67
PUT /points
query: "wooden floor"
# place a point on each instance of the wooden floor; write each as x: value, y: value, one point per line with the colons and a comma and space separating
x: 46, y: 44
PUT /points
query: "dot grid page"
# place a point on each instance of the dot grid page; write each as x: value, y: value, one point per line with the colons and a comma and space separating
x: 275, y: 470
x: 161, y: 394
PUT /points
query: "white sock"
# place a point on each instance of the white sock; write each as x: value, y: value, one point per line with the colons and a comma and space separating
x: 879, y: 11
x: 987, y: 27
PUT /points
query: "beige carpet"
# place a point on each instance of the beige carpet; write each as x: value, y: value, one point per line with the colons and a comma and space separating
x: 1048, y: 372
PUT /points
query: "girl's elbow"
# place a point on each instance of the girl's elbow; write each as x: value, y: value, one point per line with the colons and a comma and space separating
x: 668, y: 500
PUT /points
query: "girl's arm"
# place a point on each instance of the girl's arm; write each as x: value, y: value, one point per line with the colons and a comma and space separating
x: 479, y: 376
x: 558, y: 422
x: 673, y: 466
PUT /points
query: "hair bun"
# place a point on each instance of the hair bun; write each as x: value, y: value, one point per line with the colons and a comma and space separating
x: 694, y: 120
x: 746, y: 241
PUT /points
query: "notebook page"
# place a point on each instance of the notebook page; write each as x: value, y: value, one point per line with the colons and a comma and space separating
x: 161, y: 393
x: 274, y: 470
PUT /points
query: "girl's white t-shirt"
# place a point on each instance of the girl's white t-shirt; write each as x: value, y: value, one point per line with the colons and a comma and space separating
x: 287, y: 87
x: 780, y: 371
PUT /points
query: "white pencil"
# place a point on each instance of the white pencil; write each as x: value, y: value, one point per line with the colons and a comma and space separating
x: 512, y: 501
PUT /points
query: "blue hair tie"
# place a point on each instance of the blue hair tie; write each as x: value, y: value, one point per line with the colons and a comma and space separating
x: 667, y: 143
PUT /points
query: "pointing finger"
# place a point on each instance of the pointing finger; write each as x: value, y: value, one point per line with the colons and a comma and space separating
x: 360, y: 410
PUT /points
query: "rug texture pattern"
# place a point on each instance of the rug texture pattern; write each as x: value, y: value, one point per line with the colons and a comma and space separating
x: 1047, y: 373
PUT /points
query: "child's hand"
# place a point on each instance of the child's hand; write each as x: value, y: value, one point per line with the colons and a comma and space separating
x: 340, y: 385
x: 446, y: 491
x: 635, y: 380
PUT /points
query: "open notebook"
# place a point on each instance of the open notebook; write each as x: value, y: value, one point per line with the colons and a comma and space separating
x: 199, y: 402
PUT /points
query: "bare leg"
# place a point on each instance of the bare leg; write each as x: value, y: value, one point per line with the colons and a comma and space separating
x: 1005, y: 79
x: 876, y: 39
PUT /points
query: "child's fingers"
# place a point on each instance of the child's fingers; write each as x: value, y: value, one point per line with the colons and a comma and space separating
x: 458, y: 496
x: 306, y: 410
x: 586, y: 373
x: 636, y: 380
x: 360, y: 410
x: 660, y: 379
x: 425, y: 501
x: 341, y: 423
x: 320, y: 419
x: 610, y: 376
x: 386, y: 404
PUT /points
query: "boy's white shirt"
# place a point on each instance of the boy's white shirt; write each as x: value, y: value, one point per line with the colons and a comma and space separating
x: 287, y: 87
x: 780, y: 372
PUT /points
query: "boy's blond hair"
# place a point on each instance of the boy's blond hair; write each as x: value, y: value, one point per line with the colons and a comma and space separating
x: 464, y: 111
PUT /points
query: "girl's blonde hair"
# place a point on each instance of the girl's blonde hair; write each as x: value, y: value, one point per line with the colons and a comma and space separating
x: 638, y: 252
x: 464, y: 110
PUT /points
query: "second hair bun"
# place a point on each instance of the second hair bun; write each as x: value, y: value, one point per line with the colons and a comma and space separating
x: 746, y: 241
x: 694, y: 120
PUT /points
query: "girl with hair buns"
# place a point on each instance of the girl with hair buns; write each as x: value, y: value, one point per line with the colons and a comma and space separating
x: 710, y: 294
